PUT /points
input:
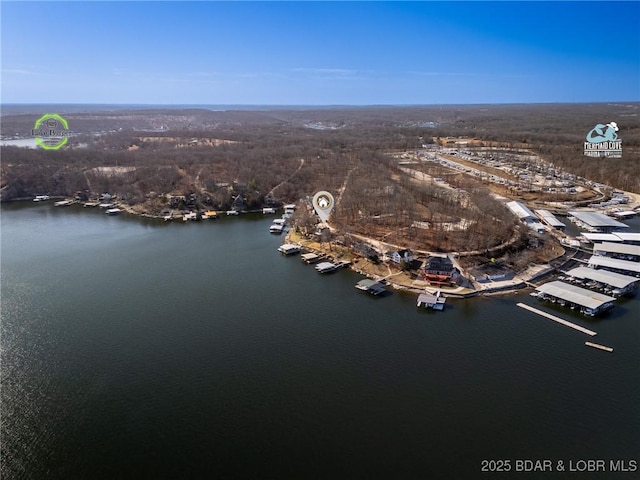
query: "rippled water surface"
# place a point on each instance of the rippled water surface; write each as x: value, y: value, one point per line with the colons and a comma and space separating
x: 137, y: 349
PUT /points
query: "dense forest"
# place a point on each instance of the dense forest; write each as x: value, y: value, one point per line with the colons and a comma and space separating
x: 150, y: 158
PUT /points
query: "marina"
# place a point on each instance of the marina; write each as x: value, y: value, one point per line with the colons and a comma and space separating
x: 559, y: 320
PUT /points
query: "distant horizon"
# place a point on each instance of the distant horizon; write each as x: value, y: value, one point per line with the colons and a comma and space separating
x: 327, y: 105
x: 319, y: 54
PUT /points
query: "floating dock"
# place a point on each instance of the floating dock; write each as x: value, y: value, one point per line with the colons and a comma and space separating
x: 557, y: 319
x: 597, y: 345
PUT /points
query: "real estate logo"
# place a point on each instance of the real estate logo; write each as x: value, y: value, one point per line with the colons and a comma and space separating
x: 51, y: 131
x: 603, y: 141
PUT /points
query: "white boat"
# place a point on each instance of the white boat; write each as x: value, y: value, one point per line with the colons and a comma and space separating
x: 113, y: 211
x: 326, y: 267
x: 189, y: 216
x: 41, y: 198
x: 289, y: 248
x: 232, y: 212
x: 64, y: 203
x: 268, y: 210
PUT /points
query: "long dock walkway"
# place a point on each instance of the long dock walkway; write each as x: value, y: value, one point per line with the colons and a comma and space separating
x: 557, y: 319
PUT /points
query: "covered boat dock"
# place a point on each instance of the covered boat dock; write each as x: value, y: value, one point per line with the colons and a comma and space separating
x: 590, y: 303
x: 595, y: 221
x: 550, y: 219
x: 371, y: 286
x: 428, y: 300
x: 631, y: 238
x: 610, y: 282
x: 617, y: 265
x: 617, y: 250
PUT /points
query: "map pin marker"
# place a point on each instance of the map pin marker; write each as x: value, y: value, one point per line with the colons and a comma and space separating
x: 323, y: 204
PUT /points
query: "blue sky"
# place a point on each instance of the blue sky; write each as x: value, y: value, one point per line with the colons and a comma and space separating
x: 319, y: 53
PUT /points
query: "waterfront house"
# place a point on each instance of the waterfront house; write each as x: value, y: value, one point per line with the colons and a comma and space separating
x: 440, y: 270
x: 367, y: 251
x: 400, y: 256
x: 238, y: 204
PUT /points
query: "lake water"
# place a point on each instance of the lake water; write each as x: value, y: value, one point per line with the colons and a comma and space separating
x: 137, y: 349
x: 22, y: 142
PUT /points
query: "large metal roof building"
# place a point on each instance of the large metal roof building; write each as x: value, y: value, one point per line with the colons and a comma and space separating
x: 596, y: 220
x: 521, y: 211
x: 616, y: 248
x: 628, y: 237
x: 616, y: 280
x: 622, y: 237
x: 615, y: 264
x: 579, y: 296
x: 550, y: 219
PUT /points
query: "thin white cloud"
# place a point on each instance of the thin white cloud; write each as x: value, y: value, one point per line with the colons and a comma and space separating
x: 466, y: 74
x: 327, y: 71
x: 443, y: 74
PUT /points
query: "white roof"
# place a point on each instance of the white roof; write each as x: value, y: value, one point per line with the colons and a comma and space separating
x: 549, y: 218
x: 289, y: 246
x: 325, y: 266
x: 628, y: 236
x: 520, y: 210
x: 577, y: 295
x: 607, y: 262
x: 623, y: 248
x: 616, y: 280
x: 601, y: 237
x: 597, y: 219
